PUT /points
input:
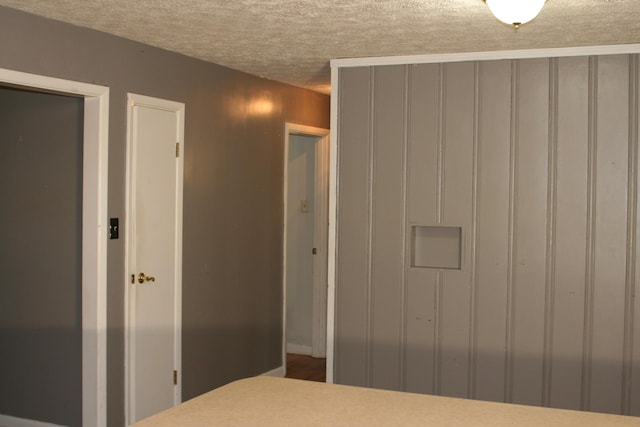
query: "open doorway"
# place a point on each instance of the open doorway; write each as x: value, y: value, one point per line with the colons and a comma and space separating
x: 306, y: 185
x: 41, y: 256
x: 95, y: 111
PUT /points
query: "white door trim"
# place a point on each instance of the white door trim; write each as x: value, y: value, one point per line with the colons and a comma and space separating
x: 320, y: 236
x: 436, y: 58
x: 179, y: 108
x: 319, y: 329
x: 94, y: 234
x: 333, y: 231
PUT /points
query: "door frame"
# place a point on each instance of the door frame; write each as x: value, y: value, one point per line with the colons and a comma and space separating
x: 134, y: 100
x: 95, y: 155
x: 321, y: 234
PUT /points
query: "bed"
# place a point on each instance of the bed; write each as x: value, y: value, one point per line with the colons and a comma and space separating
x: 269, y: 401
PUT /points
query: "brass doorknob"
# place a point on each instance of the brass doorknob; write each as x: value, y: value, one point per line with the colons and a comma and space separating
x: 142, y: 278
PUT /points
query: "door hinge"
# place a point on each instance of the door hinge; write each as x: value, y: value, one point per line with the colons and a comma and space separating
x: 314, y: 251
x: 177, y: 149
x: 175, y: 377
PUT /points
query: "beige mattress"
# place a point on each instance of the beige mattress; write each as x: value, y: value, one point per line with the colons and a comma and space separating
x: 269, y: 401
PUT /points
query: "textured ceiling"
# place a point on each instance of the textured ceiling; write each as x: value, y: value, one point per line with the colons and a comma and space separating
x: 292, y: 41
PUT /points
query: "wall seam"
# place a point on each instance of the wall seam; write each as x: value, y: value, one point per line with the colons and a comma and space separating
x: 438, y: 288
x: 550, y: 264
x: 405, y: 212
x: 587, y: 349
x: 473, y: 285
x: 512, y: 230
x: 441, y: 141
x: 371, y: 229
x: 630, y: 274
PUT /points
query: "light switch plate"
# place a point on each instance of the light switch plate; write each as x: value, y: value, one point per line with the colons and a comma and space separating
x: 114, y: 228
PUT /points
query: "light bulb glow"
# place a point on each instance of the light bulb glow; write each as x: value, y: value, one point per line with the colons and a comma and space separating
x: 515, y: 12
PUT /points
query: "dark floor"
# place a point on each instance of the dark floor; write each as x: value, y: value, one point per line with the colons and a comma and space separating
x: 306, y: 368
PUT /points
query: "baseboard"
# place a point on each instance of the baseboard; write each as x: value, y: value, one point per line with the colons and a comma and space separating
x: 277, y: 372
x: 7, y: 421
x: 299, y: 349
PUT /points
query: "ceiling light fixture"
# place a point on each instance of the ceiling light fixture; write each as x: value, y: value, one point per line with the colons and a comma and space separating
x: 515, y: 12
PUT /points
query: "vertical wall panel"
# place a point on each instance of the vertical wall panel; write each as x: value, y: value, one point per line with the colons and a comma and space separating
x: 456, y: 160
x: 353, y: 263
x: 528, y: 289
x: 473, y: 238
x: 571, y: 214
x: 551, y: 232
x: 388, y: 230
x: 420, y: 339
x: 422, y: 187
x: 634, y: 362
x: 423, y: 143
x: 610, y: 238
x: 493, y: 209
x: 634, y: 386
x: 634, y: 389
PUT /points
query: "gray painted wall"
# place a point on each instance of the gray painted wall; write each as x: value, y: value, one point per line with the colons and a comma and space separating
x: 232, y: 280
x: 41, y: 256
x: 537, y: 161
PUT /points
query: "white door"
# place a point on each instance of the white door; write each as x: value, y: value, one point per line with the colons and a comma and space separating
x: 154, y: 243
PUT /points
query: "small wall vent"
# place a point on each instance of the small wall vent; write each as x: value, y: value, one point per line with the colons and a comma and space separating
x: 436, y: 247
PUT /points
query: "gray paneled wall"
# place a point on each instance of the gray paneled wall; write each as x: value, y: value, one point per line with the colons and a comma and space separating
x: 537, y: 161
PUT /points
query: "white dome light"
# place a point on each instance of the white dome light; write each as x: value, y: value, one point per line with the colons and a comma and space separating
x: 515, y: 12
